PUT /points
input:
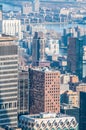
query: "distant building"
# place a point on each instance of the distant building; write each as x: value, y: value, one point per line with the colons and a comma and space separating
x: 12, y: 27
x: 8, y: 81
x: 23, y: 93
x: 65, y: 78
x: 44, y: 90
x: 0, y: 12
x: 70, y: 97
x: 84, y: 62
x: 75, y: 56
x: 82, y: 116
x: 27, y: 8
x: 38, y: 48
x: 80, y: 88
x: 1, y: 17
x: 36, y: 5
x: 48, y: 121
x: 74, y: 82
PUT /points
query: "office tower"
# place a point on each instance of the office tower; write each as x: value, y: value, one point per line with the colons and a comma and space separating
x: 44, y: 90
x: 12, y: 27
x: 38, y: 48
x: 23, y: 92
x: 48, y: 121
x: 75, y: 56
x: 82, y: 114
x: 8, y: 81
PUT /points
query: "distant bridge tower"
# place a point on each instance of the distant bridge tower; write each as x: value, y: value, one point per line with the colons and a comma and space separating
x: 36, y: 5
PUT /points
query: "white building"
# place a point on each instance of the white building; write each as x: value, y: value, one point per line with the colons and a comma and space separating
x: 36, y: 5
x: 48, y: 121
x: 53, y: 47
x: 12, y: 27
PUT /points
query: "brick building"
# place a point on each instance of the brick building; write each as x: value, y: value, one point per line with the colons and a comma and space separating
x: 44, y: 90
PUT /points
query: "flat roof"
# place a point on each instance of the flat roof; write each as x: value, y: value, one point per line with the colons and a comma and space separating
x: 46, y: 116
x: 45, y: 69
x: 7, y: 38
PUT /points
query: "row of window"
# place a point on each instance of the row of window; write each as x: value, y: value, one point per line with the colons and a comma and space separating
x: 8, y: 63
x: 8, y: 72
x: 8, y: 95
x: 10, y: 67
x: 8, y: 58
x: 9, y: 81
x: 8, y: 77
x: 8, y: 105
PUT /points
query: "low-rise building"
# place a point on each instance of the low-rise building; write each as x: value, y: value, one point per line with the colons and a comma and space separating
x: 48, y: 121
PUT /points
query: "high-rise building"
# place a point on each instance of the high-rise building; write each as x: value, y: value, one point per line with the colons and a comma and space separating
x: 82, y: 116
x: 38, y: 48
x: 75, y: 56
x: 23, y: 92
x: 44, y: 90
x: 0, y: 18
x: 8, y: 81
x: 12, y: 27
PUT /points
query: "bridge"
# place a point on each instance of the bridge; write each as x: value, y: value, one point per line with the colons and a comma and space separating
x: 17, y: 3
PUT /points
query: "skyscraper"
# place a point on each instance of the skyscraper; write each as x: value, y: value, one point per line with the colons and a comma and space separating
x: 0, y: 18
x: 75, y: 56
x: 38, y: 48
x: 8, y: 81
x: 44, y: 90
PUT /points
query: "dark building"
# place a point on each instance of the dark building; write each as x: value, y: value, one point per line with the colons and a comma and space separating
x: 38, y: 48
x: 70, y: 110
x: 44, y: 90
x: 75, y: 56
x: 82, y: 114
x: 23, y: 93
x: 1, y: 18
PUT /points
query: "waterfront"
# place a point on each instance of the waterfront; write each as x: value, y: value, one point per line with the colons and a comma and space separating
x: 50, y: 26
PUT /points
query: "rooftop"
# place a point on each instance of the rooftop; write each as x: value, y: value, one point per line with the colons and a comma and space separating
x: 45, y: 116
x: 45, y: 69
x: 4, y: 37
x: 67, y: 106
